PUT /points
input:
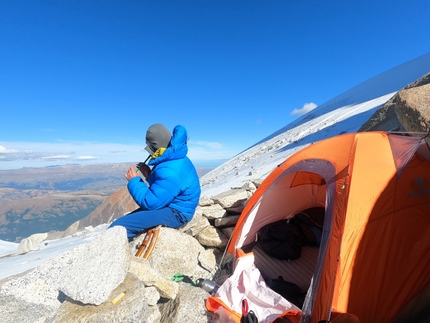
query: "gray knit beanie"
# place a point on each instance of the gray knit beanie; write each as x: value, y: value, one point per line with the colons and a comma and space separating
x: 157, y: 136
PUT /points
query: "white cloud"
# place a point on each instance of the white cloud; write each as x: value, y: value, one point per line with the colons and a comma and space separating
x: 7, y: 154
x: 305, y: 109
x: 36, y: 154
x: 56, y: 157
x: 207, y: 144
x: 86, y: 157
x: 4, y: 150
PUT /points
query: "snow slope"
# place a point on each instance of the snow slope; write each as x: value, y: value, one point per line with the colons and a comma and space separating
x: 343, y: 114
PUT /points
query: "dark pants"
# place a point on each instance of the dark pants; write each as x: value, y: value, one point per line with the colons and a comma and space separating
x: 141, y: 220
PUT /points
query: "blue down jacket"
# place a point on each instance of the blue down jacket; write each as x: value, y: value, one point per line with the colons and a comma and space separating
x: 173, y: 181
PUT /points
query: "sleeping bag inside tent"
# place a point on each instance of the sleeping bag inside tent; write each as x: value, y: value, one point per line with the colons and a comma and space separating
x: 366, y: 198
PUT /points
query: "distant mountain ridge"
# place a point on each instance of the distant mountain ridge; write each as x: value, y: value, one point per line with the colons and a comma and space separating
x: 66, y: 178
x: 22, y: 218
x: 115, y: 206
x: 35, y: 200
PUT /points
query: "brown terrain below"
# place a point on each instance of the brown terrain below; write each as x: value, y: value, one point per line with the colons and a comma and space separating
x: 34, y: 200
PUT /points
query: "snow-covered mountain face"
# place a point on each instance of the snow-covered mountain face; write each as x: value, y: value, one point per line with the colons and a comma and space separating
x: 345, y: 113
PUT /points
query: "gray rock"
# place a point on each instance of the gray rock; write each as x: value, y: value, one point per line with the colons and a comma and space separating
x: 231, y: 198
x: 132, y: 307
x: 151, y: 295
x: 228, y: 221
x: 205, y: 201
x: 394, y: 114
x: 39, y: 286
x: 237, y: 209
x: 198, y: 227
x: 176, y: 252
x: 413, y: 108
x: 214, y: 211
x: 249, y: 186
x: 150, y: 277
x: 257, y: 182
x: 212, y: 237
x: 188, y: 307
x: 384, y: 119
x: 94, y: 270
x: 17, y: 310
x: 32, y: 243
x: 153, y: 316
x: 207, y: 260
x: 43, y: 286
x: 194, y: 221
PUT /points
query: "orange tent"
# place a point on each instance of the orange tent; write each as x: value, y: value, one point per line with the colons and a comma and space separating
x: 374, y: 257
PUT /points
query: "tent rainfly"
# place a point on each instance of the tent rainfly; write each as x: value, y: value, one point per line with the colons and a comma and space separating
x: 373, y: 260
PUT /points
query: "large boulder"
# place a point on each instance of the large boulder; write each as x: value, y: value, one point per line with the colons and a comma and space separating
x: 177, y: 252
x: 32, y: 243
x: 94, y: 270
x: 413, y: 108
x: 86, y: 274
x: 407, y: 110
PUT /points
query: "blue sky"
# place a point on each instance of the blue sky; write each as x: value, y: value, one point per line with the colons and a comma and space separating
x: 80, y: 81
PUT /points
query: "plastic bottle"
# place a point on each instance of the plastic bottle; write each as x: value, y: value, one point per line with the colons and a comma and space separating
x: 207, y: 285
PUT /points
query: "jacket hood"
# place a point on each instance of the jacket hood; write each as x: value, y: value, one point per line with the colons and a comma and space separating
x: 177, y: 149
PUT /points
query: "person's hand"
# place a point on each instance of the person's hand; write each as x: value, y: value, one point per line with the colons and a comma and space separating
x: 144, y: 169
x: 131, y: 173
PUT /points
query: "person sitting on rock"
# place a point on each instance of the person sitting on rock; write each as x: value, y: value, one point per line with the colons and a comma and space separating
x: 173, y: 192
